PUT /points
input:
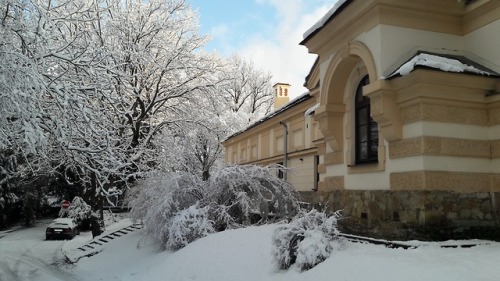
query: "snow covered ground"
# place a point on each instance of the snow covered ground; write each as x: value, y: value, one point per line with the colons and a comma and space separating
x: 25, y: 255
x: 242, y: 254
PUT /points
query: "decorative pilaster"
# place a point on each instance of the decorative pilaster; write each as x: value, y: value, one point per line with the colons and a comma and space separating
x: 330, y: 120
x: 384, y: 109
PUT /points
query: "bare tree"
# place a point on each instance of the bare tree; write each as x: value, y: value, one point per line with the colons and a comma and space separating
x: 95, y: 89
x: 246, y: 88
x: 242, y: 94
x: 90, y: 84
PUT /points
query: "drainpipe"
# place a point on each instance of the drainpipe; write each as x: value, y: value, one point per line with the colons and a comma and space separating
x: 493, y: 207
x: 285, y: 148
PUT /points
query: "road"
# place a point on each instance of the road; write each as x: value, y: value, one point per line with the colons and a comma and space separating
x: 25, y: 255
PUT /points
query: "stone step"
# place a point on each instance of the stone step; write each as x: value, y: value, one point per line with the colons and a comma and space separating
x: 105, y: 239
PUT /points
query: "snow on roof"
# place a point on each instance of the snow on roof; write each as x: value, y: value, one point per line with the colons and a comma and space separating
x: 448, y: 63
x: 311, y: 109
x: 318, y: 25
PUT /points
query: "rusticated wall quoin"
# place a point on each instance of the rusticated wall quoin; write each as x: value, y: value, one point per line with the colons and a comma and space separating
x: 441, y: 147
x: 333, y: 183
x: 459, y: 182
x: 495, y: 149
x: 444, y: 113
x: 494, y: 114
x: 426, y: 95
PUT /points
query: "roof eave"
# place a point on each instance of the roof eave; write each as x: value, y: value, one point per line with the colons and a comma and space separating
x: 313, y: 34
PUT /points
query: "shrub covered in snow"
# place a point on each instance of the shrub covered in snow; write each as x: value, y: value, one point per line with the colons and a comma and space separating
x: 78, y: 210
x: 188, y: 225
x: 156, y: 201
x: 251, y: 193
x: 178, y: 208
x: 306, y: 241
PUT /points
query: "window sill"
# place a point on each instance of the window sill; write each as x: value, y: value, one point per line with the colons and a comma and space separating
x: 366, y: 168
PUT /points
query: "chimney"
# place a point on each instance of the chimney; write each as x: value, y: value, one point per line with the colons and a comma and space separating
x: 281, y: 95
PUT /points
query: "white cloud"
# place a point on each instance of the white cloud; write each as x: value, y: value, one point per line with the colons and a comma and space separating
x: 219, y: 30
x: 282, y: 55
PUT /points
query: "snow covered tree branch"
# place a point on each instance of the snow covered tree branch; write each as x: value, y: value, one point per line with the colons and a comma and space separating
x: 234, y: 196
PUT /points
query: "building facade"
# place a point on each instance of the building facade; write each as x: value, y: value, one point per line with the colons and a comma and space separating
x: 287, y: 131
x: 403, y: 118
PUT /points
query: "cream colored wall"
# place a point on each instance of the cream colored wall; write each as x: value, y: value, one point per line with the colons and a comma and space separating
x: 444, y: 163
x: 363, y: 177
x: 296, y: 131
x: 267, y: 144
x: 302, y: 174
x: 387, y: 55
x: 308, y: 131
x: 253, y: 148
x: 264, y: 145
x: 449, y: 130
x: 323, y: 66
x: 378, y: 180
x: 483, y: 43
x: 441, y: 163
x: 479, y: 45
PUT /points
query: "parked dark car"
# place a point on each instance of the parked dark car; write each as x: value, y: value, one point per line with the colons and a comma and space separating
x: 62, y: 228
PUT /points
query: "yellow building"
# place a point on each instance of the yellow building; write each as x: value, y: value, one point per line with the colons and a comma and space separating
x: 401, y: 127
x: 286, y: 131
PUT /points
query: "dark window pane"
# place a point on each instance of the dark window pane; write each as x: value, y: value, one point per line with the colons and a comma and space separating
x: 366, y: 131
x: 359, y: 90
x: 373, y: 124
x: 373, y: 151
x: 359, y: 97
x: 374, y: 135
x: 362, y: 116
x: 363, y: 151
x: 363, y: 133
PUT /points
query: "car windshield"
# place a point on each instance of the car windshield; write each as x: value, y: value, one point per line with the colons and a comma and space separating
x: 60, y: 224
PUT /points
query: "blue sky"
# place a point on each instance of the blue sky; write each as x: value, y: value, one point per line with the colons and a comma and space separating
x: 268, y: 32
x: 229, y: 22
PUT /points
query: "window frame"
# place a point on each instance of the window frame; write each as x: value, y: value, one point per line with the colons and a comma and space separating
x: 364, y: 125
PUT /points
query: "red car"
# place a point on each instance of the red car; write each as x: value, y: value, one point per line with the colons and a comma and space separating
x: 64, y: 228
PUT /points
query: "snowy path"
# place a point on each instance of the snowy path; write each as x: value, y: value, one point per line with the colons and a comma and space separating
x: 241, y: 255
x: 25, y: 255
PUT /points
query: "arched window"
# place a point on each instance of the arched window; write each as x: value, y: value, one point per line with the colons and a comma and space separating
x: 366, y: 135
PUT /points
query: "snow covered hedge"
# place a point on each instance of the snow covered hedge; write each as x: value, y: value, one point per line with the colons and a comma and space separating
x: 251, y: 193
x: 307, y: 240
x: 178, y: 208
x: 78, y: 210
x: 188, y: 225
